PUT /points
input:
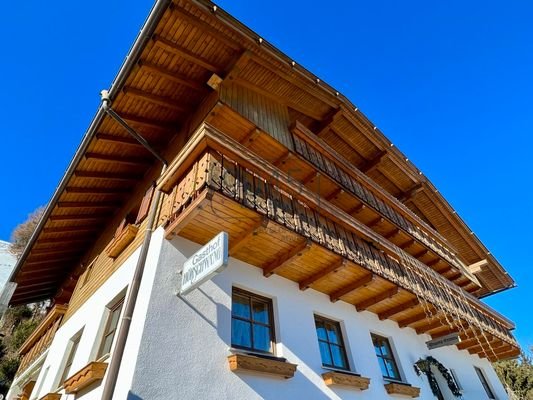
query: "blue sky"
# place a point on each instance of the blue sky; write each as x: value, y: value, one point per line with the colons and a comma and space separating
x: 450, y: 83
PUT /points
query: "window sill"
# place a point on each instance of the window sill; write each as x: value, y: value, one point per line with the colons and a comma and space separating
x: 91, y: 373
x: 51, y: 396
x: 346, y: 379
x: 122, y: 241
x: 267, y: 365
x: 402, y: 389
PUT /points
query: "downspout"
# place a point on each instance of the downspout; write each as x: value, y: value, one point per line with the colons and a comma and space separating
x: 122, y: 335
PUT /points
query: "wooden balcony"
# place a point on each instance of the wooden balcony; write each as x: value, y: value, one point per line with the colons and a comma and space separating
x: 41, y: 338
x: 217, y: 184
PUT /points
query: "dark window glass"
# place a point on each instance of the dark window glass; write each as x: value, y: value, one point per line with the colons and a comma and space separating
x: 73, y: 347
x: 251, y: 322
x: 484, y: 382
x: 110, y: 328
x: 330, y: 343
x: 386, y: 361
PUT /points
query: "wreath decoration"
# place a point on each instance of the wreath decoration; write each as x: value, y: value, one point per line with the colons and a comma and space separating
x: 424, y: 366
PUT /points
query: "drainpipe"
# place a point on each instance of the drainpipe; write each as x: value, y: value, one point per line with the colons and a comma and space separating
x: 122, y: 335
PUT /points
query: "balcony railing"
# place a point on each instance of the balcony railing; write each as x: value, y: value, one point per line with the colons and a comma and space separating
x: 41, y: 338
x: 235, y: 172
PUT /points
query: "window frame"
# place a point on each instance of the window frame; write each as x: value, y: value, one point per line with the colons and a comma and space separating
x: 485, y: 383
x: 72, y: 349
x: 110, y: 309
x: 272, y: 331
x: 391, y: 358
x: 455, y: 379
x: 341, y: 344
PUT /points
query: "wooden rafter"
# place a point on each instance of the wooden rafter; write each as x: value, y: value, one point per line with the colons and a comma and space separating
x: 287, y: 257
x: 399, y: 308
x: 369, y: 165
x: 173, y: 76
x: 387, y: 294
x: 88, y: 204
x: 50, y: 261
x: 68, y: 239
x: 118, y: 159
x: 153, y: 98
x: 180, y: 51
x: 237, y: 242
x: 351, y: 287
x: 409, y: 194
x: 66, y: 229
x: 124, y: 140
x: 428, y: 327
x: 205, y: 27
x: 70, y: 217
x: 412, y: 319
x: 330, y: 269
x: 357, y: 209
x: 375, y: 222
x: 326, y: 123
x: 149, y: 123
x: 116, y: 176
x: 336, y: 193
x: 97, y: 190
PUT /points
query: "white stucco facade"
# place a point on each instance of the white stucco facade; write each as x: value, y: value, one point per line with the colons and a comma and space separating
x: 178, y: 346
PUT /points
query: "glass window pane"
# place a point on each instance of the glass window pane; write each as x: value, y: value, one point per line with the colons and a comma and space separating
x: 383, y: 367
x: 113, y: 319
x: 333, y: 335
x: 321, y: 331
x: 241, y: 334
x: 337, y: 353
x: 324, y: 352
x: 106, y: 346
x: 384, y: 348
x: 260, y: 310
x: 391, y: 369
x: 241, y: 306
x: 262, y: 338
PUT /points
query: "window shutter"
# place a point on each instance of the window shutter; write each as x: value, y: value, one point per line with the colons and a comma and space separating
x: 145, y: 204
x: 120, y: 227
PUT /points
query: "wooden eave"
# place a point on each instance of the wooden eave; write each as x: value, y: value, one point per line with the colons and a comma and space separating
x: 189, y: 43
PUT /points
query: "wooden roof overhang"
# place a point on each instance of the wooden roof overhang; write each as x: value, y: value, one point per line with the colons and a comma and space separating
x: 182, y: 44
x: 217, y: 183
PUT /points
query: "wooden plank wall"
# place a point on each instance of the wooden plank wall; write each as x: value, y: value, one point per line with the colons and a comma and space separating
x: 268, y: 115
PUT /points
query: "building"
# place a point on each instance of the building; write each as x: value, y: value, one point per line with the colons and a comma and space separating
x: 7, y: 262
x: 344, y: 260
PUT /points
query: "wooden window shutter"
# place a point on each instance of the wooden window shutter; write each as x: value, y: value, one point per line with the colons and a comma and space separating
x: 145, y: 204
x: 121, y: 227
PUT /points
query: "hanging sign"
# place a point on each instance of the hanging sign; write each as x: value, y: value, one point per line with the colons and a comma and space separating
x: 448, y: 340
x: 205, y: 263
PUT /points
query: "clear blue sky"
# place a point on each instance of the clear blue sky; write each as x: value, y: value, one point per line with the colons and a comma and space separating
x: 450, y: 83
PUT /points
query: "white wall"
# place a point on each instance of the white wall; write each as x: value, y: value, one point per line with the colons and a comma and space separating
x: 186, y: 341
x: 90, y: 318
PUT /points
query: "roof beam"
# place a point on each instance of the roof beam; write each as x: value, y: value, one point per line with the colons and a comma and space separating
x: 369, y: 165
x: 153, y: 98
x: 477, y: 266
x: 412, y: 320
x: 148, y: 123
x: 325, y: 124
x: 63, y: 240
x: 238, y: 242
x: 330, y: 269
x: 177, y: 50
x: 205, y: 27
x: 97, y: 190
x: 118, y: 139
x: 54, y: 261
x: 71, y: 217
x: 173, y: 76
x: 398, y: 309
x: 286, y: 258
x: 87, y: 204
x: 427, y: 327
x: 407, y: 195
x: 116, y: 159
x: 387, y: 294
x: 65, y: 229
x: 117, y: 176
x: 351, y: 287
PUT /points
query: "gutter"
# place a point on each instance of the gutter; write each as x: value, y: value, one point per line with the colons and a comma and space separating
x: 129, y: 63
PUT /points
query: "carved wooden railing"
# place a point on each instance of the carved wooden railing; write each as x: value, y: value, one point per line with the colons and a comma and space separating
x: 294, y: 209
x: 41, y: 338
x: 358, y: 184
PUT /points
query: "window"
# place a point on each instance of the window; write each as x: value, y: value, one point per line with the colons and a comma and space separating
x: 72, y: 347
x: 484, y: 382
x: 110, y: 328
x: 454, y: 376
x: 386, y: 361
x: 331, y: 344
x: 252, y: 326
